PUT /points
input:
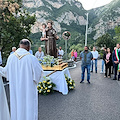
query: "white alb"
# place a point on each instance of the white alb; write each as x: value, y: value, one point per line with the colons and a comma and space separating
x: 23, y: 75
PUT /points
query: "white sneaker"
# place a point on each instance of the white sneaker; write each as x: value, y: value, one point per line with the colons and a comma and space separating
x: 101, y: 72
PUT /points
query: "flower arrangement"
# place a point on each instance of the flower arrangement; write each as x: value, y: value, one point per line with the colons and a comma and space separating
x: 70, y: 83
x: 48, y: 61
x: 46, y: 86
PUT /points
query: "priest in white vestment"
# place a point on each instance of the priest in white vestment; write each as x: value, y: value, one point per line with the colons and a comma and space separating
x: 23, y: 72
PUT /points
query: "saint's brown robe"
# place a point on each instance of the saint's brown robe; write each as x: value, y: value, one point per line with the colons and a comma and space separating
x: 50, y: 44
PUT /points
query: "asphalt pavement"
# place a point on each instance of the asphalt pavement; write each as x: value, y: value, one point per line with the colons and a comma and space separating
x: 99, y: 100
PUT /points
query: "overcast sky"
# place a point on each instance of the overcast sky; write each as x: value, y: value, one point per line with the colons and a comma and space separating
x: 89, y: 4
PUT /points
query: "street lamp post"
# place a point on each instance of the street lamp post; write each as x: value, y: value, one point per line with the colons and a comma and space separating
x: 66, y: 49
x: 86, y: 30
x: 66, y: 36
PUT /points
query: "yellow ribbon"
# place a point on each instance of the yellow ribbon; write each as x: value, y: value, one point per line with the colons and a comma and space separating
x: 20, y: 56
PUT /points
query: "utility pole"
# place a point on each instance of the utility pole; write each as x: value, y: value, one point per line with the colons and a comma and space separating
x: 86, y: 30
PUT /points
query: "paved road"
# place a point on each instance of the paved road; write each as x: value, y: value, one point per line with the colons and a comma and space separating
x: 98, y: 101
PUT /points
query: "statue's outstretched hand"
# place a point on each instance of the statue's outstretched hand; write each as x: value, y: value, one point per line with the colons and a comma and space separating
x: 57, y: 37
x: 41, y: 39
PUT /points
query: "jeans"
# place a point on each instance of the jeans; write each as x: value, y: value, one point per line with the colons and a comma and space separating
x: 83, y: 72
x: 115, y: 70
x: 95, y: 65
x: 103, y: 62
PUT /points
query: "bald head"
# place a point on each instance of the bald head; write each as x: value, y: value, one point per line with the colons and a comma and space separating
x: 25, y: 44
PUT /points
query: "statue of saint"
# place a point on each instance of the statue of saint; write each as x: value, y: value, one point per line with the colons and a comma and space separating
x: 50, y: 42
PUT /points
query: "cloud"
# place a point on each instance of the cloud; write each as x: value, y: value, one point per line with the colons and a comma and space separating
x: 89, y: 4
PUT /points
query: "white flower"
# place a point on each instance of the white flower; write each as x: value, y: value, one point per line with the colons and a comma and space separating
x: 48, y: 78
x: 41, y: 90
x: 70, y: 80
x: 44, y: 91
x: 44, y: 85
x: 70, y: 87
x: 50, y: 86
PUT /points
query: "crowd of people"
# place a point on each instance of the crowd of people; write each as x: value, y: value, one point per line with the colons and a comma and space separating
x: 110, y: 61
x: 39, y: 54
x: 26, y: 72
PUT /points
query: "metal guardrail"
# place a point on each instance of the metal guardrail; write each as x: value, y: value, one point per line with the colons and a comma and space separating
x: 7, y: 91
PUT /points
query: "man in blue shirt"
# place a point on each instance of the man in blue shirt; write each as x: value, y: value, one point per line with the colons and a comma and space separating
x: 86, y: 57
x: 39, y: 54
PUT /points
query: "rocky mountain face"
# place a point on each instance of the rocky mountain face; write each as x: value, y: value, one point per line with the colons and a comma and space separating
x: 104, y: 19
x: 70, y: 15
x: 62, y: 12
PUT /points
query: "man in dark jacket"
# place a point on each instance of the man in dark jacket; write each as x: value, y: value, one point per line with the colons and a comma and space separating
x: 116, y: 62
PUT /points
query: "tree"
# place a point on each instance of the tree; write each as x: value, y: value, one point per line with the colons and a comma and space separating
x: 15, y: 25
x: 78, y: 47
x: 106, y: 41
x: 117, y: 34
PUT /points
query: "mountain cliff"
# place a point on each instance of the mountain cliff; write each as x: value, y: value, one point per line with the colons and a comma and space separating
x: 105, y: 19
x: 62, y: 12
x: 70, y: 15
x: 66, y: 15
